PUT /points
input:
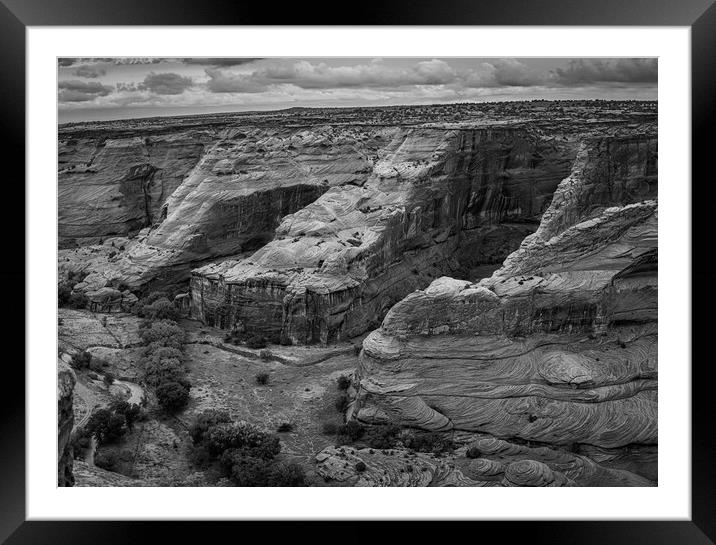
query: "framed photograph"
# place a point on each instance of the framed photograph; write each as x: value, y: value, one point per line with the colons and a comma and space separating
x: 401, y: 269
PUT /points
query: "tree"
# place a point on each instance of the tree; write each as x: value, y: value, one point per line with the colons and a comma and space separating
x: 206, y: 420
x: 130, y: 411
x: 162, y: 333
x: 106, y: 426
x: 172, y: 396
x: 108, y: 379
x: 249, y: 439
x: 81, y: 360
x: 161, y: 309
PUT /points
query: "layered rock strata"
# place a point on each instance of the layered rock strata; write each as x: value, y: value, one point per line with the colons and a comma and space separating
x: 65, y: 421
x: 560, y: 345
x: 336, y: 266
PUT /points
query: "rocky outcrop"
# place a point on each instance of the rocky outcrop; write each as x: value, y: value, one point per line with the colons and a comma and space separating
x: 325, y: 219
x: 559, y: 346
x: 500, y: 464
x: 65, y: 421
x: 336, y: 266
x: 116, y: 183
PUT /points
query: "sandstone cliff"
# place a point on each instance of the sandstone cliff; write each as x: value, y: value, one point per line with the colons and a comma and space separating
x: 559, y: 346
x: 307, y: 226
x: 65, y: 421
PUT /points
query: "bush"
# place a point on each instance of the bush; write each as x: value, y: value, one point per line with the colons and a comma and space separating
x: 285, y: 427
x: 245, y: 470
x: 106, y: 460
x: 353, y: 430
x: 81, y: 360
x: 172, y: 396
x: 166, y: 370
x: 108, y: 379
x: 106, y: 426
x: 266, y: 354
x: 64, y: 292
x: 286, y: 475
x: 77, y: 300
x: 161, y: 309
x: 430, y: 442
x: 206, y: 420
x: 343, y: 382
x: 162, y: 333
x: 361, y: 467
x: 256, y: 342
x: 381, y: 437
x: 130, y: 411
x: 341, y: 403
x: 262, y: 378
x: 79, y: 442
x: 473, y: 452
x: 247, y: 438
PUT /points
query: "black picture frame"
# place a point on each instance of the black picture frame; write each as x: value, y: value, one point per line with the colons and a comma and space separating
x: 16, y: 15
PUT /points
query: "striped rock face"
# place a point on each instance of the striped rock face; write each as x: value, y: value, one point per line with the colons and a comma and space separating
x: 559, y: 346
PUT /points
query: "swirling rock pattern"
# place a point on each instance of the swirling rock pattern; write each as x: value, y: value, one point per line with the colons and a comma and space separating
x: 558, y: 346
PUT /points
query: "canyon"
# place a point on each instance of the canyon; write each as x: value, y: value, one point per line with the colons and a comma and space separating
x: 497, y: 263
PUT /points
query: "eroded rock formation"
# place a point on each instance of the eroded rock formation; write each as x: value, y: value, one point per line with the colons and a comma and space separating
x: 65, y: 421
x: 559, y: 346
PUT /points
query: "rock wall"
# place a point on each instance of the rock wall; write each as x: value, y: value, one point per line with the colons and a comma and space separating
x: 112, y: 185
x: 559, y: 346
x: 335, y: 267
x: 65, y: 421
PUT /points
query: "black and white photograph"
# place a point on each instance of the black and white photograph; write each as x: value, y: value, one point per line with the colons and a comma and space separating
x: 357, y: 271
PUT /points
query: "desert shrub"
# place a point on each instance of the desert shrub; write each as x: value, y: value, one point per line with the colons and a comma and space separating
x: 166, y: 370
x: 81, y: 360
x: 77, y: 300
x: 256, y: 342
x: 79, y: 442
x: 108, y: 379
x: 343, y: 382
x: 106, y: 460
x: 130, y: 411
x: 262, y: 378
x: 356, y: 349
x: 430, y: 442
x: 381, y: 437
x: 64, y: 292
x: 286, y: 475
x: 473, y: 452
x: 361, y: 467
x: 93, y: 375
x: 106, y: 426
x: 97, y: 365
x: 172, y: 396
x: 265, y: 354
x: 249, y: 439
x: 329, y: 428
x: 341, y: 403
x: 245, y: 470
x: 285, y: 427
x: 204, y: 421
x: 352, y: 430
x: 162, y: 333
x: 199, y: 457
x: 160, y: 309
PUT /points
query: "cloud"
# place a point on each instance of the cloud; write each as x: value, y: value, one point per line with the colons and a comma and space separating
x: 89, y: 71
x: 308, y: 75
x: 585, y: 71
x: 63, y: 61
x: 219, y: 61
x: 220, y: 82
x: 166, y: 83
x: 81, y: 91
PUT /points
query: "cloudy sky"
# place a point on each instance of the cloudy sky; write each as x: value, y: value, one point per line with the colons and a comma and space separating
x: 113, y: 88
